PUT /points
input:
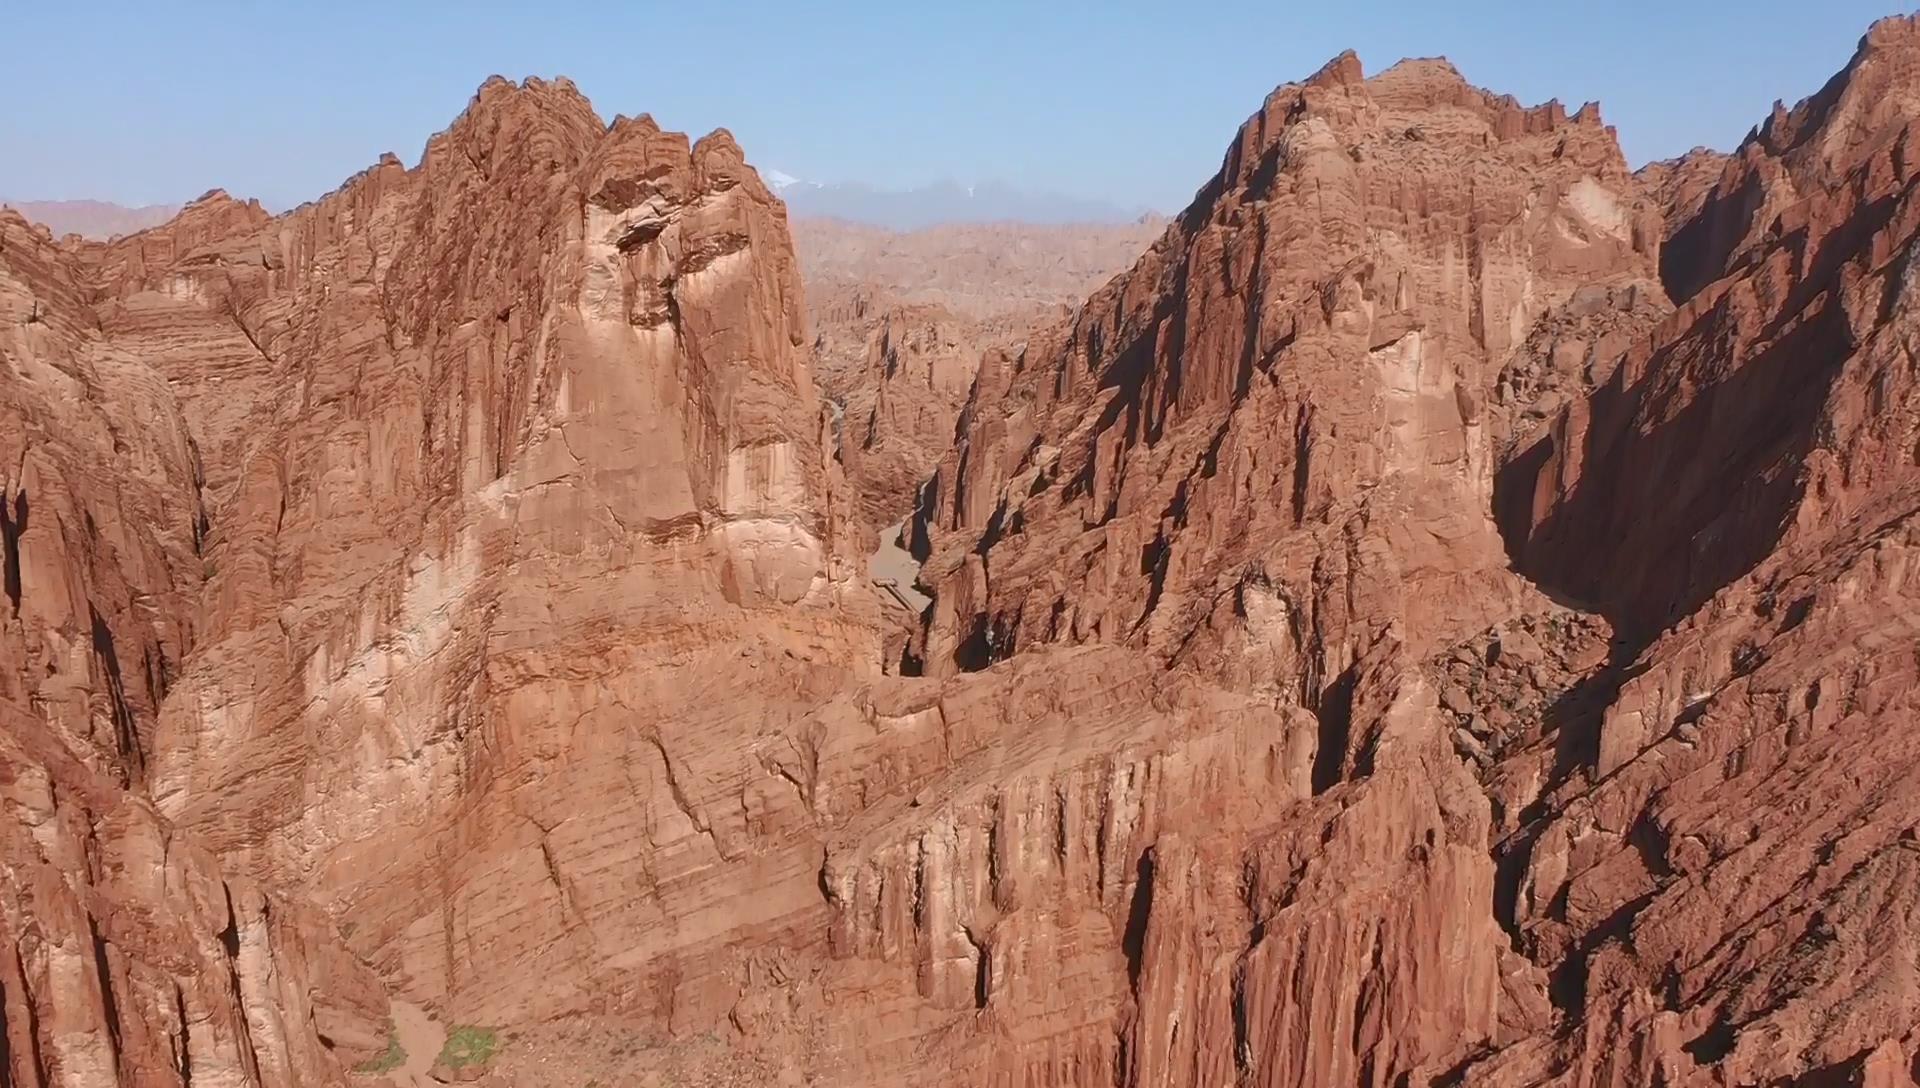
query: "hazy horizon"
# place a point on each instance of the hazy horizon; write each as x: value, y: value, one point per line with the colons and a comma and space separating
x: 1095, y: 104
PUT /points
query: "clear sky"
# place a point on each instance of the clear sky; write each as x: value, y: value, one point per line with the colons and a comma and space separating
x: 1130, y: 102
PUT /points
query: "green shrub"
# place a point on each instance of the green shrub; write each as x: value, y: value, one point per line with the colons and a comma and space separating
x: 394, y: 1057
x: 469, y: 1045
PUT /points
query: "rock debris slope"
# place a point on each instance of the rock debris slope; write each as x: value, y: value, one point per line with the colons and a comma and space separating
x: 1440, y: 618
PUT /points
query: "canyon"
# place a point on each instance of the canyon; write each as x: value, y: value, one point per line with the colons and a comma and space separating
x: 1438, y: 616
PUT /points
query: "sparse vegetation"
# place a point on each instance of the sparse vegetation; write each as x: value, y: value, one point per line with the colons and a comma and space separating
x: 391, y: 1059
x: 469, y: 1045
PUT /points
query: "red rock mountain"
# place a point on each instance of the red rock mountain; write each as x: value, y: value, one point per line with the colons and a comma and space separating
x: 1439, y: 618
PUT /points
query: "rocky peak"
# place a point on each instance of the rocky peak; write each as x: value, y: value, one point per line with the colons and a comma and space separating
x: 1370, y: 254
x: 1873, y: 93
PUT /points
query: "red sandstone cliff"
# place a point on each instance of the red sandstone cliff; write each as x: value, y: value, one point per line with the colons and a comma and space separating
x: 127, y: 955
x: 1440, y: 618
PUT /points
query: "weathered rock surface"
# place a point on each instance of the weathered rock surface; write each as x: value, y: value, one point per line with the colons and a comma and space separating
x: 126, y: 955
x: 899, y: 412
x: 542, y: 535
x: 1722, y: 878
x: 1441, y: 618
x: 1282, y: 472
x: 1272, y: 438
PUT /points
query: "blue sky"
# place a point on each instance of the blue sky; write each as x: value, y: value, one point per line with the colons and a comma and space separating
x: 1130, y: 102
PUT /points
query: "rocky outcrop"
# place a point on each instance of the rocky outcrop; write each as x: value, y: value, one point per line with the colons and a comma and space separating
x: 900, y: 410
x: 1723, y: 882
x: 1265, y: 456
x: 1604, y: 782
x: 1273, y: 436
x: 534, y: 458
x: 126, y: 955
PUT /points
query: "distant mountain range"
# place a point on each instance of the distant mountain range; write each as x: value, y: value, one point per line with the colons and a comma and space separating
x: 92, y: 218
x: 933, y: 205
x: 940, y: 203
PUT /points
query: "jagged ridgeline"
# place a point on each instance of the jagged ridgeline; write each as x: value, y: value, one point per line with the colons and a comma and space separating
x: 1439, y: 617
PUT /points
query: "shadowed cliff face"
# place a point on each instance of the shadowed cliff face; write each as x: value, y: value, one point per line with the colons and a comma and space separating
x: 1721, y: 861
x: 1440, y: 618
x: 1276, y: 435
x: 1700, y: 447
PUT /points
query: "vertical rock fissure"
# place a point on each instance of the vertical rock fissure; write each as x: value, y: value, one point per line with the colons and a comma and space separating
x: 125, y: 732
x: 982, y: 969
x: 1302, y: 450
x: 1243, y: 1056
x: 109, y: 1001
x: 32, y: 1032
x: 230, y: 941
x: 1133, y: 940
x: 1335, y: 713
x: 6, y: 1040
x: 11, y: 526
x: 186, y: 1040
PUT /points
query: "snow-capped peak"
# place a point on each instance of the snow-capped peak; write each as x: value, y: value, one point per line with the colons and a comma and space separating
x: 779, y: 179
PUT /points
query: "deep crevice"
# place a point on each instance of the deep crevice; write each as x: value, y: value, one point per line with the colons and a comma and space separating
x: 1133, y: 940
x: 11, y: 526
x: 1567, y: 982
x: 6, y: 1039
x: 1302, y: 453
x: 1335, y: 712
x: 1714, y: 1043
x: 982, y: 972
x: 125, y: 730
x: 40, y: 1067
x: 109, y: 1001
x: 186, y: 1041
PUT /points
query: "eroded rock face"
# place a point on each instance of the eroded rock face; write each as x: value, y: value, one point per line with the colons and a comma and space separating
x: 1723, y: 884
x: 1707, y: 461
x: 127, y: 956
x: 900, y: 411
x: 1441, y: 618
x: 1272, y: 438
x: 524, y: 472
